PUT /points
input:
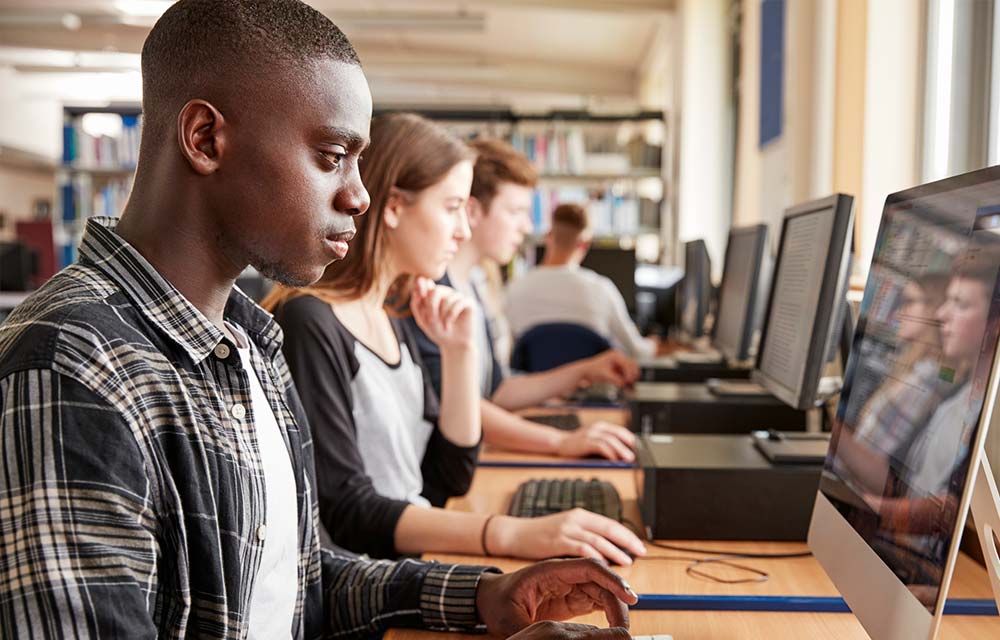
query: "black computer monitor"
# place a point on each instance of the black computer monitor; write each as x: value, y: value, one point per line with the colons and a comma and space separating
x: 744, y: 280
x: 18, y: 266
x: 906, y: 455
x: 806, y: 293
x: 696, y: 290
x: 613, y: 262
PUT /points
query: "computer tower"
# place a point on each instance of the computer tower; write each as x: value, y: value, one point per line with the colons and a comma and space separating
x: 720, y: 487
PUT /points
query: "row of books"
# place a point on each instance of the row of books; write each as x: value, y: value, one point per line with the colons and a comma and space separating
x: 566, y: 152
x: 81, y: 149
x: 81, y: 199
x: 609, y: 213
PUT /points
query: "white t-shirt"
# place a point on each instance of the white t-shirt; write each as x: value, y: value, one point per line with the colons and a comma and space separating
x: 388, y: 404
x: 572, y: 294
x: 272, y: 603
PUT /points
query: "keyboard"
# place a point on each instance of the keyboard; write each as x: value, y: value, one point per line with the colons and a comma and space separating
x: 599, y: 392
x: 563, y: 421
x: 536, y: 498
x: 656, y: 637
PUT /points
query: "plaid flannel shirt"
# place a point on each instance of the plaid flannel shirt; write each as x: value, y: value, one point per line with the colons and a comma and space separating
x: 131, y: 487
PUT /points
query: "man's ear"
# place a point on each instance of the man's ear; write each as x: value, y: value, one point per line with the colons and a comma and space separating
x: 475, y: 210
x: 393, y: 208
x: 202, y: 136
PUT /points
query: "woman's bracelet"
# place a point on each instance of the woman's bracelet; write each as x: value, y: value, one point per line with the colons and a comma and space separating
x: 482, y: 536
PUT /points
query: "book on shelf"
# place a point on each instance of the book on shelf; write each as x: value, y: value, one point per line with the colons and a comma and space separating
x: 610, y: 213
x: 83, y: 150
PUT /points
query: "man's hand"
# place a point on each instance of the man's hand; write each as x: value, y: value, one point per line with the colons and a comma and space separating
x: 552, y: 590
x: 548, y: 630
x: 610, y: 366
x: 611, y: 441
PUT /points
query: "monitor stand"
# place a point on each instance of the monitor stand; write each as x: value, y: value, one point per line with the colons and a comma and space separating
x: 986, y: 516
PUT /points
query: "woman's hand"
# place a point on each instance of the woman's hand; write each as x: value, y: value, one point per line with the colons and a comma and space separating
x: 446, y: 316
x: 576, y: 532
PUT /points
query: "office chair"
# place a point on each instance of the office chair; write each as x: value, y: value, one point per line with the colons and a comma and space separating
x: 547, y: 346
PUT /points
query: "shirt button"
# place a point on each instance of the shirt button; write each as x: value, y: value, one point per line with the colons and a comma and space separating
x: 261, y: 532
x: 222, y: 351
x: 239, y: 411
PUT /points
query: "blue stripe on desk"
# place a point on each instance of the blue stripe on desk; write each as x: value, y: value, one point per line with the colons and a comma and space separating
x: 660, y: 602
x: 556, y: 464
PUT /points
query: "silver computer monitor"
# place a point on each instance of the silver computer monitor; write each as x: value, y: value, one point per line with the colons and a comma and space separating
x: 696, y: 290
x: 807, y: 289
x: 918, y: 395
x: 743, y: 278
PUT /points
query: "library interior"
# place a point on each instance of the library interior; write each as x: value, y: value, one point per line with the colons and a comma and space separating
x: 544, y: 319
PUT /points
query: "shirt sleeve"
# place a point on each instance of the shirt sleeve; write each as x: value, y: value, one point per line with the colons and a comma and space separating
x: 71, y: 469
x: 446, y: 467
x: 623, y: 330
x: 364, y: 597
x: 320, y: 358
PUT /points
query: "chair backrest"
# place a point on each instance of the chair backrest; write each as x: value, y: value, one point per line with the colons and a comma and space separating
x: 546, y: 346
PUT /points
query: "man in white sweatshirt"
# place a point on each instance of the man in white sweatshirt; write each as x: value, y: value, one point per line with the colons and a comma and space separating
x: 560, y: 290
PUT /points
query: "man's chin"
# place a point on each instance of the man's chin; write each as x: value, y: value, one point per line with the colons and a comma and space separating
x: 290, y: 277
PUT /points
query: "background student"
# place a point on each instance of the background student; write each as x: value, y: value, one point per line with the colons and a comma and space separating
x: 499, y: 217
x: 386, y: 455
x: 560, y: 290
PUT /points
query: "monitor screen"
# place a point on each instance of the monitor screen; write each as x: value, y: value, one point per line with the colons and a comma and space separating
x: 696, y: 289
x: 917, y: 376
x: 813, y: 257
x: 736, y: 319
x: 617, y: 264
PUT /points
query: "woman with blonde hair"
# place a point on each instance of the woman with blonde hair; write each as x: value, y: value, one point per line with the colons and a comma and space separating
x: 388, y: 452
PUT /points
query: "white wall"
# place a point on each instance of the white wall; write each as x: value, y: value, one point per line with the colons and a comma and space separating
x: 31, y: 104
x: 892, y: 122
x: 705, y: 157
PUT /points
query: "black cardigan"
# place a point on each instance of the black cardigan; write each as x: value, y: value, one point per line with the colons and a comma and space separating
x: 320, y: 355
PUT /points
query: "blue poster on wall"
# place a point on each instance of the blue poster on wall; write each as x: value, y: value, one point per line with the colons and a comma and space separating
x: 772, y: 63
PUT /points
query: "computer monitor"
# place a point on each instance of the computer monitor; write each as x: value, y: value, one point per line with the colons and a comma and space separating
x: 740, y: 292
x: 696, y: 290
x: 619, y: 265
x: 18, y: 266
x: 906, y: 452
x: 808, y: 285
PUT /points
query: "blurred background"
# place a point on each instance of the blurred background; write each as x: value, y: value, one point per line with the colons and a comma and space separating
x: 672, y: 119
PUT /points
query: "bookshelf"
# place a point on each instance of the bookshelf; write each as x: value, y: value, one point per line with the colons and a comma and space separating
x: 100, y: 151
x: 612, y: 163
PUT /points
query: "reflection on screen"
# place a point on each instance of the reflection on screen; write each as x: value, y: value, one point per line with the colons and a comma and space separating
x: 917, y: 379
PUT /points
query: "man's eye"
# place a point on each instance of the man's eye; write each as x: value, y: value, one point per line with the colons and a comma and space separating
x: 332, y: 158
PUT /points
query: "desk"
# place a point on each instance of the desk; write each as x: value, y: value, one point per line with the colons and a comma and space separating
x: 491, y: 491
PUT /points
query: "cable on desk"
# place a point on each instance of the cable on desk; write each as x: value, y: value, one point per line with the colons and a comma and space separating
x: 715, y: 557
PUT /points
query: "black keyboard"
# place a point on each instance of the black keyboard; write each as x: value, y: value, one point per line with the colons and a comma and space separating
x: 563, y: 421
x: 553, y: 495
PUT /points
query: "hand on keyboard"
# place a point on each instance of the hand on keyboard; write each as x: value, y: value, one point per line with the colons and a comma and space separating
x: 605, y: 439
x: 548, y: 630
x: 577, y: 532
x: 552, y: 590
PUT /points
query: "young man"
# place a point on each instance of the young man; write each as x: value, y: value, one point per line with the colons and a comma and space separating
x: 500, y: 218
x: 560, y: 290
x: 158, y: 476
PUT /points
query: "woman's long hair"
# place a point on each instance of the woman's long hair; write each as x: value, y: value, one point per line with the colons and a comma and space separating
x: 408, y: 153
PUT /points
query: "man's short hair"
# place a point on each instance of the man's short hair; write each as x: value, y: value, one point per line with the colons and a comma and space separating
x: 200, y: 44
x: 496, y: 163
x: 569, y: 225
